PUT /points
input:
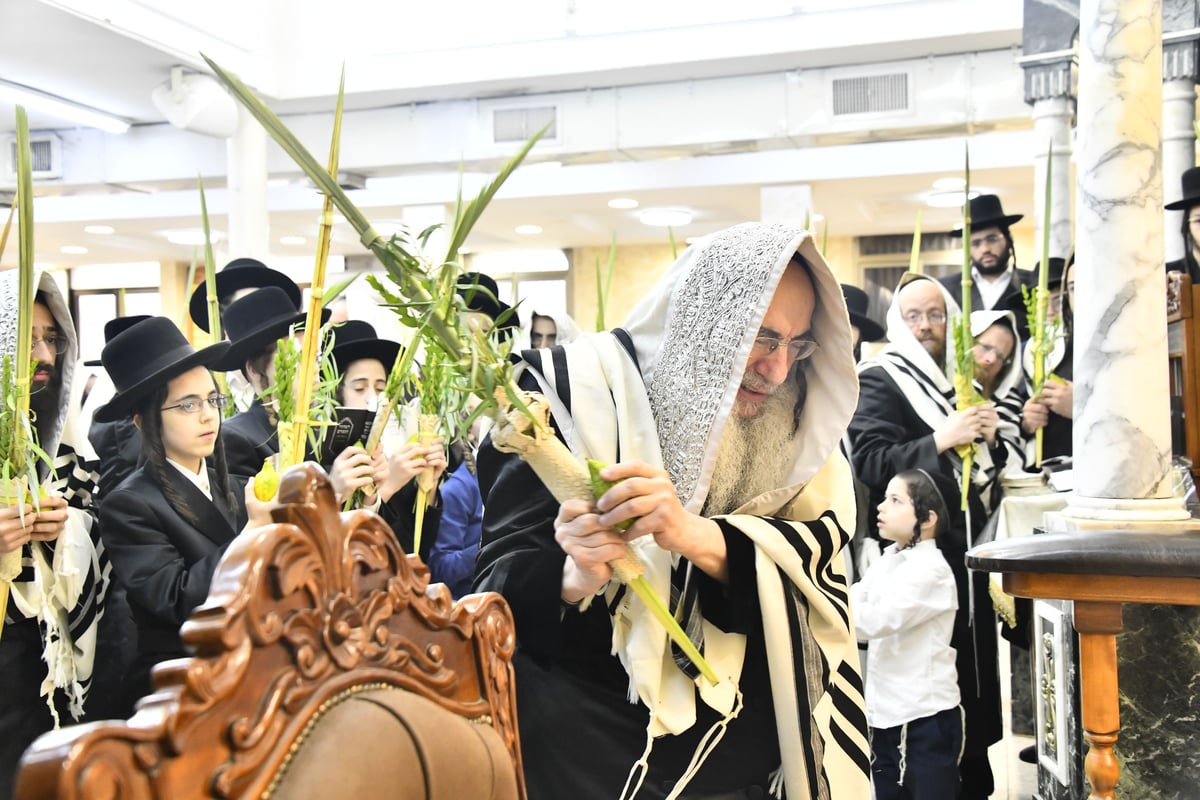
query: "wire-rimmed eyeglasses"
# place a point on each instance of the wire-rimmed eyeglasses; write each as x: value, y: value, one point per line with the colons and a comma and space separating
x: 193, y: 404
x: 797, y: 349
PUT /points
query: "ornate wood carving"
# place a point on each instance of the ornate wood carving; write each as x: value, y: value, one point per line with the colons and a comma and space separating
x: 298, y: 612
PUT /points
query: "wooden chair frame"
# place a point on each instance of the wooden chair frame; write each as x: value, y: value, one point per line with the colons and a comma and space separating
x: 300, y: 613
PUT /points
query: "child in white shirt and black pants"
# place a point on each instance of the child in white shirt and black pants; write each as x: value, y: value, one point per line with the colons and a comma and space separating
x: 904, y: 607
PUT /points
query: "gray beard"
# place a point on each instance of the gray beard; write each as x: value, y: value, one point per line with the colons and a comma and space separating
x: 755, y: 455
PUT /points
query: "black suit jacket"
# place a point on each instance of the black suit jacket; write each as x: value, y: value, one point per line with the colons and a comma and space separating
x: 249, y: 439
x: 165, y: 562
x: 1011, y: 300
x: 119, y: 446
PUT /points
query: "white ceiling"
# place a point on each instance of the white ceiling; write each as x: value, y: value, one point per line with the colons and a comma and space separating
x: 114, y: 59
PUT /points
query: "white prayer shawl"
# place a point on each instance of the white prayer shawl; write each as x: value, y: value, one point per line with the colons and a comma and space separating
x: 929, y: 388
x: 1006, y: 395
x: 63, y: 591
x: 692, y: 337
x: 567, y: 330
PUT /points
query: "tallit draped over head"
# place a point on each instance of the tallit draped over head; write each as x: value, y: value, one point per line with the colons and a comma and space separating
x: 62, y: 588
x: 51, y: 433
x: 691, y: 338
x: 693, y: 333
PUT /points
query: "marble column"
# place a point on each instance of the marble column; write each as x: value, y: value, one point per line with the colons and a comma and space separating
x: 249, y: 221
x: 1122, y: 440
x: 1052, y: 123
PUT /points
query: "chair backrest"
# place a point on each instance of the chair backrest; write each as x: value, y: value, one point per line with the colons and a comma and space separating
x: 316, y: 608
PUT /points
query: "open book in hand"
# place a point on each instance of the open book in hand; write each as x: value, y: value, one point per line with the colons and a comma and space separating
x: 350, y: 426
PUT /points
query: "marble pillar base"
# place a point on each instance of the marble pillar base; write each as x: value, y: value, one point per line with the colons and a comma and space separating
x: 1117, y: 510
x: 1158, y: 666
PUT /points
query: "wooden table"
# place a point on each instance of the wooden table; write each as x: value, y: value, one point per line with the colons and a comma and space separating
x: 1098, y: 571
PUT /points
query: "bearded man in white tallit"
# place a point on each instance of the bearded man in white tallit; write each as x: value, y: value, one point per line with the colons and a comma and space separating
x: 723, y: 423
x: 907, y: 419
x: 50, y: 561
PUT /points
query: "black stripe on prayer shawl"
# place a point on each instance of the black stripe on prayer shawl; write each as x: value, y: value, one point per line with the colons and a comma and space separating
x: 626, y: 341
x: 922, y: 380
x: 818, y: 566
x: 850, y: 747
x: 804, y: 652
x: 685, y: 605
x: 558, y: 358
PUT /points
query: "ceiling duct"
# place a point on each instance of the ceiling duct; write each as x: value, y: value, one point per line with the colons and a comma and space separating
x: 520, y: 124
x: 870, y: 94
x: 45, y: 151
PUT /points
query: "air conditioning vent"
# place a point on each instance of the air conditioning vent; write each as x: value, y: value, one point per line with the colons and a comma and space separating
x: 518, y: 124
x: 870, y: 94
x: 46, y: 157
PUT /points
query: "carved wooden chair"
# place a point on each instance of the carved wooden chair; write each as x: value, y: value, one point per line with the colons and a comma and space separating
x: 326, y: 666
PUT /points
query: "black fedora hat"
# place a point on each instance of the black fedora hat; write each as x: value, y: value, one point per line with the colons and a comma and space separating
x: 986, y: 212
x: 1055, y: 277
x: 112, y: 328
x: 856, y: 306
x: 354, y: 340
x: 145, y: 356
x: 241, y: 273
x: 254, y: 321
x: 483, y: 295
x: 1190, y: 181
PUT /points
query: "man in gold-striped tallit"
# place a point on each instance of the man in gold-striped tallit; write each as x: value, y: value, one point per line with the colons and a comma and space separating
x: 720, y: 403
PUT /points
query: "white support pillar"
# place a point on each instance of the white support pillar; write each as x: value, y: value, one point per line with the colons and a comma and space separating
x: 249, y: 221
x: 1122, y: 437
x: 1052, y: 123
x: 1178, y: 153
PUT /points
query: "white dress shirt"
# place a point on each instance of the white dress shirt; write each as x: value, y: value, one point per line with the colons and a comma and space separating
x: 991, y: 290
x: 904, y: 606
x: 199, y: 478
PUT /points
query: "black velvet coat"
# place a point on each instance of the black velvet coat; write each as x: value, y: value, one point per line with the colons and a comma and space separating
x: 118, y: 445
x: 165, y: 562
x: 1011, y: 300
x: 886, y: 437
x: 250, y: 438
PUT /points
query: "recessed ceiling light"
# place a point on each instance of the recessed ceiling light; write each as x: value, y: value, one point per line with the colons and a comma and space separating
x: 192, y: 236
x: 74, y: 250
x: 665, y: 217
x: 292, y: 240
x: 338, y: 219
x: 99, y: 230
x: 464, y: 250
x: 528, y: 230
x: 949, y: 184
x: 817, y: 218
x: 622, y: 202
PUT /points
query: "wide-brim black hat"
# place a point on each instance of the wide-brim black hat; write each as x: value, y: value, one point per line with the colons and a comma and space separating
x: 241, y: 273
x: 355, y: 340
x: 856, y: 306
x: 145, y: 356
x: 112, y: 328
x: 986, y: 212
x: 1191, y: 190
x: 1054, y: 278
x: 254, y: 321
x: 483, y: 295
